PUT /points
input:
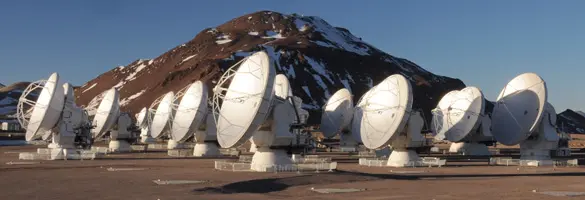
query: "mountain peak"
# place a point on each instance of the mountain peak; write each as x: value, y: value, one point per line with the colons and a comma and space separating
x: 317, y: 58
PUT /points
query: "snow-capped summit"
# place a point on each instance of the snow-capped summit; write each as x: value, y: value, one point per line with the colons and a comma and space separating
x: 317, y: 57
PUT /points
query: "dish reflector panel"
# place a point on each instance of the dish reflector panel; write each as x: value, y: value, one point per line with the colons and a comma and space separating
x: 141, y: 119
x: 107, y: 113
x: 47, y: 109
x: 247, y: 100
x: 162, y: 115
x: 337, y: 113
x: 459, y: 113
x: 191, y: 112
x: 356, y: 121
x: 385, y: 111
x: 518, y: 109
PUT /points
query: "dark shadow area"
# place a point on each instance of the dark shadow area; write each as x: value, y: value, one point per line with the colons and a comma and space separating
x: 167, y: 158
x: 280, y: 184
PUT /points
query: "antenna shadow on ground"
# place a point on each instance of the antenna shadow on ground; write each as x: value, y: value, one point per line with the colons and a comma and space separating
x: 280, y: 184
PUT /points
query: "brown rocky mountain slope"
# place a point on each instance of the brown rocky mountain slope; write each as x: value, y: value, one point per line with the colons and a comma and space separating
x: 317, y: 58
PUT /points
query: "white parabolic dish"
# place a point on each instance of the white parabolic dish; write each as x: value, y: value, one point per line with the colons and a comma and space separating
x: 519, y: 109
x: 47, y: 109
x: 460, y: 113
x: 247, y: 100
x: 162, y: 115
x: 385, y: 111
x: 142, y: 117
x: 337, y: 113
x: 107, y: 113
x: 191, y: 112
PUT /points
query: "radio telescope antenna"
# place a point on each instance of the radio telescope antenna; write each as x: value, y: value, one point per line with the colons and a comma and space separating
x: 388, y: 119
x: 190, y: 114
x: 143, y: 119
x: 523, y: 116
x: 337, y: 117
x: 160, y: 123
x: 283, y: 90
x: 460, y: 118
x: 247, y: 107
x: 107, y: 116
x: 45, y: 116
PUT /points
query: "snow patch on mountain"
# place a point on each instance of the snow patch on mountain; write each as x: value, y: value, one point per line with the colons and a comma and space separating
x: 223, y: 39
x: 336, y: 38
x: 127, y: 100
x: 319, y: 67
x: 89, y: 88
x: 273, y: 34
x: 188, y: 58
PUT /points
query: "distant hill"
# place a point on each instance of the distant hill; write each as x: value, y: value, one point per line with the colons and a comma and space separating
x: 581, y: 113
x: 9, y: 98
x: 571, y: 122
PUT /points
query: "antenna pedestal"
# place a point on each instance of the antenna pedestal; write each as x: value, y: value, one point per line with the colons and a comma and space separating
x: 469, y: 148
x: 536, y: 150
x: 119, y: 146
x: 347, y: 143
x: 403, y: 158
x: 266, y: 159
x: 206, y: 149
x: 403, y: 153
x: 173, y: 144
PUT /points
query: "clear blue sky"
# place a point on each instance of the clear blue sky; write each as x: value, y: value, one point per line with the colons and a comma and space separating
x: 484, y: 43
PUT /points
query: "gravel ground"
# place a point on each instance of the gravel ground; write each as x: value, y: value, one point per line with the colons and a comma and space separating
x: 90, y: 179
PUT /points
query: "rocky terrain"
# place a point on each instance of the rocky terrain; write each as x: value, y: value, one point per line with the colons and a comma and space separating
x: 9, y: 99
x: 570, y: 121
x: 317, y: 57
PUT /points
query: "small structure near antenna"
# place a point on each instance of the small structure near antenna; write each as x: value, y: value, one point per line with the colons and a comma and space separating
x: 55, y: 115
x: 460, y: 117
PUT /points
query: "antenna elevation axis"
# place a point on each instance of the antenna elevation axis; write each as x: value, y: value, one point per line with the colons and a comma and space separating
x: 523, y: 116
x: 460, y: 118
